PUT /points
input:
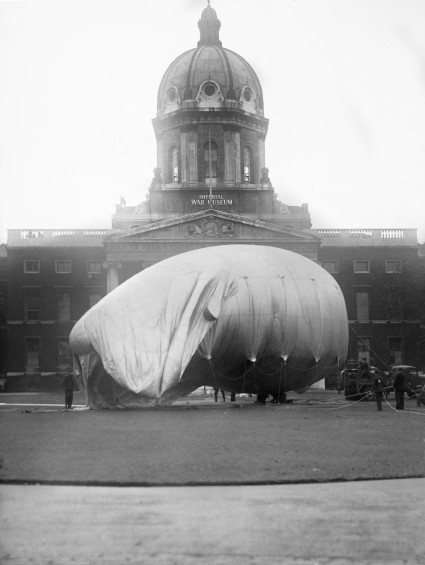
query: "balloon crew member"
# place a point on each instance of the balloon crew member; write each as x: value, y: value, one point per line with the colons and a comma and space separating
x: 68, y: 387
x: 420, y: 397
x: 216, y: 390
x: 378, y: 389
x: 364, y: 367
x: 399, y: 386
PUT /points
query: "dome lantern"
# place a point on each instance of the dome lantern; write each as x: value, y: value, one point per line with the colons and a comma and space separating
x: 209, y: 26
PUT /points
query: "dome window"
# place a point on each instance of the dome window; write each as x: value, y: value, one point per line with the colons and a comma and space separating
x: 171, y: 101
x: 209, y: 89
x: 248, y: 99
x: 247, y: 94
x: 171, y: 94
x: 209, y: 94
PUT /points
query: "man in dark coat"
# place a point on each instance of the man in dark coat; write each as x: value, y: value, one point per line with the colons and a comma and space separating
x: 364, y: 367
x: 378, y: 389
x: 216, y: 391
x: 399, y: 386
x: 68, y: 387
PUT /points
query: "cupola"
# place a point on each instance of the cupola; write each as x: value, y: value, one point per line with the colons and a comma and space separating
x: 210, y: 125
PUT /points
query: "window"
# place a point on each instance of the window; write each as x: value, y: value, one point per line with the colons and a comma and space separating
x: 362, y: 306
x: 363, y: 348
x: 209, y: 89
x: 247, y: 100
x: 171, y: 94
x: 395, y: 350
x: 94, y: 299
x: 64, y: 306
x: 210, y: 162
x: 394, y: 304
x: 392, y: 266
x: 248, y: 94
x: 63, y: 266
x: 32, y: 354
x: 247, y: 160
x: 31, y: 266
x: 361, y: 266
x: 31, y: 305
x: 174, y: 159
x: 64, y: 360
x: 94, y: 267
x: 331, y: 266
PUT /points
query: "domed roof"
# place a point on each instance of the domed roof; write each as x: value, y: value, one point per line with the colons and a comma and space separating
x: 210, y: 76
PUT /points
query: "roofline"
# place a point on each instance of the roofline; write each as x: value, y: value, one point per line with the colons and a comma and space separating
x: 204, y: 214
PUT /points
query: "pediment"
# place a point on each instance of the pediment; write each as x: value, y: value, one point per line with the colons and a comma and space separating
x: 212, y: 225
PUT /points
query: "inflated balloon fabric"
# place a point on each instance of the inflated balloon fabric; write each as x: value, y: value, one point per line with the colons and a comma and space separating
x: 243, y: 318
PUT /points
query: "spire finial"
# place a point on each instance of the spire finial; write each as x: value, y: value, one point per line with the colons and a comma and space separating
x: 209, y: 26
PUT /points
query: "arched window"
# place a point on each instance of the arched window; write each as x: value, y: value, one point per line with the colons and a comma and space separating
x: 174, y: 160
x: 210, y: 162
x: 247, y: 165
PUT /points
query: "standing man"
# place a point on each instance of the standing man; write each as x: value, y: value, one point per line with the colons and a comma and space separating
x: 216, y: 391
x: 398, y: 386
x: 364, y: 367
x: 378, y: 389
x: 68, y: 387
x: 420, y: 396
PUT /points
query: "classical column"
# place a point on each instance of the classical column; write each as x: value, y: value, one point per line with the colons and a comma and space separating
x: 183, y: 157
x: 112, y: 276
x: 261, y: 156
x: 161, y: 163
x: 192, y: 156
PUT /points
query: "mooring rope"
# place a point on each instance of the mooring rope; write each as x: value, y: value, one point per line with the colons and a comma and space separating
x: 406, y: 411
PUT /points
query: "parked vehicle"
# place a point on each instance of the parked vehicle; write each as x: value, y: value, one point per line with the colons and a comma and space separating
x: 357, y: 381
x: 414, y: 381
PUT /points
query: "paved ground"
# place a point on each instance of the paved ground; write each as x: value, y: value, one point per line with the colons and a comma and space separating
x: 257, y: 456
x: 378, y: 522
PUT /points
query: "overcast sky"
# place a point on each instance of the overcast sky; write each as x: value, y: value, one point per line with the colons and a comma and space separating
x: 343, y: 84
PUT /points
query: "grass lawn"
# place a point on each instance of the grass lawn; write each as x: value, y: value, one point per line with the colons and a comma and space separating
x: 320, y: 438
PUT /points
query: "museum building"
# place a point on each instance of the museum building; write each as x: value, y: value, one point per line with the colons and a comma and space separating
x: 210, y: 187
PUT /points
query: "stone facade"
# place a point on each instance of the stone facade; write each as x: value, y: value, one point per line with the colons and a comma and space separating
x: 381, y: 273
x: 52, y: 278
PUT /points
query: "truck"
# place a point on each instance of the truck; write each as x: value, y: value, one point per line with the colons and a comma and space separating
x: 357, y: 380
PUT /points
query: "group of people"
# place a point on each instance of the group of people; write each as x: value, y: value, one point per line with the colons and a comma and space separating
x: 223, y: 394
x: 261, y: 398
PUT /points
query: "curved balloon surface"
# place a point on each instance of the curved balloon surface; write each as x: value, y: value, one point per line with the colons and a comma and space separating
x: 243, y: 318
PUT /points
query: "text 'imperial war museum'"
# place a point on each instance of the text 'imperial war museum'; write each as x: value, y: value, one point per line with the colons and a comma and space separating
x: 210, y: 187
